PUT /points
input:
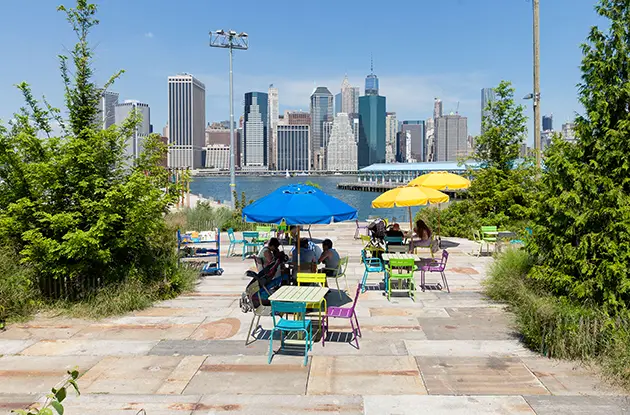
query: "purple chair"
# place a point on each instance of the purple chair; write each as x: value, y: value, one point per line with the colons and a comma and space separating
x: 347, y: 313
x: 360, y: 228
x: 436, y: 267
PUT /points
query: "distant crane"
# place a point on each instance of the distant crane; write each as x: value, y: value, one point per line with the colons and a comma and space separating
x: 457, y: 110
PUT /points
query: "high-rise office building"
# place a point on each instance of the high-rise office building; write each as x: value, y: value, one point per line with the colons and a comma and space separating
x: 429, y: 126
x: 135, y: 143
x: 391, y: 128
x: 217, y: 156
x: 416, y: 138
x: 371, y: 81
x: 274, y: 114
x: 547, y: 122
x: 337, y: 103
x: 451, y: 137
x: 297, y: 118
x: 349, y: 102
x: 107, y: 109
x: 293, y: 147
x: 341, y: 152
x: 321, y: 111
x: 437, y: 108
x: 327, y: 126
x: 372, y: 130
x: 255, y: 131
x: 186, y: 121
x: 487, y: 96
x: 568, y: 132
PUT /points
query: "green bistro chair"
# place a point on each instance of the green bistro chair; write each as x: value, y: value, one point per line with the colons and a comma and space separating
x: 401, y: 270
x: 264, y: 231
x: 489, y: 235
x: 340, y: 273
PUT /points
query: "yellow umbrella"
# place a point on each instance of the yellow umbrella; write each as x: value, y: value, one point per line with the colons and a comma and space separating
x: 441, y: 180
x: 409, y: 196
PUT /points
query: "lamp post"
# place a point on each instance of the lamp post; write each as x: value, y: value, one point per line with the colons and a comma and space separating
x: 535, y: 96
x: 230, y: 40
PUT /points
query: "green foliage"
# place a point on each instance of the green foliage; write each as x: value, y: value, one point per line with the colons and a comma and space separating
x: 501, y: 192
x: 18, y: 297
x: 73, y: 206
x: 313, y: 184
x: 558, y: 327
x: 582, y: 220
x: 55, y: 398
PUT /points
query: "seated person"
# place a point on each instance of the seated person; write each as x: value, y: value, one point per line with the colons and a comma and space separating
x: 268, y: 253
x: 309, y: 252
x: 423, y: 236
x: 330, y: 258
x: 394, y: 231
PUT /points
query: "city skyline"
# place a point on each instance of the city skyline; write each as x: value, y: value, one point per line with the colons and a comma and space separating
x: 410, y: 88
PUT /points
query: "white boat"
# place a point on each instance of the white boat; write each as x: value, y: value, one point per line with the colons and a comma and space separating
x: 337, y: 174
x: 302, y: 174
x: 287, y: 175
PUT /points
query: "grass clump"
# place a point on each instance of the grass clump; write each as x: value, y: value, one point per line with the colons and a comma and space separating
x: 558, y: 327
x: 18, y: 297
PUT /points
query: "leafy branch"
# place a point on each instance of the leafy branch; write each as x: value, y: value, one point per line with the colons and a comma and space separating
x: 55, y: 398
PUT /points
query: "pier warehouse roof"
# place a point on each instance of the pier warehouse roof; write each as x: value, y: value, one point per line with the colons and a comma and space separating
x: 452, y: 167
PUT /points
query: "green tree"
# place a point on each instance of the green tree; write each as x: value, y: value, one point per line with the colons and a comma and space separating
x: 582, y: 222
x: 75, y: 206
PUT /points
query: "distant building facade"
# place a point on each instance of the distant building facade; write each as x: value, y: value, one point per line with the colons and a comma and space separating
x: 372, y: 116
x: 417, y: 139
x: 342, y: 149
x: 322, y: 108
x: 568, y: 132
x: 273, y: 123
x: 135, y: 143
x: 293, y: 147
x: 451, y: 137
x: 217, y: 157
x: 255, y: 131
x: 391, y: 128
x: 547, y: 122
x: 186, y: 121
x: 349, y: 100
x: 487, y: 96
x: 429, y: 126
x: 297, y: 118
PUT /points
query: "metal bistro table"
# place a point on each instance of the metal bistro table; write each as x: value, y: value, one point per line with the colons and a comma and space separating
x: 297, y: 294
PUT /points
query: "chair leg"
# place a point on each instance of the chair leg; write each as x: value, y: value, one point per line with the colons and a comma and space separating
x: 445, y: 282
x: 249, y: 332
x: 347, y: 286
x: 270, y: 347
x: 363, y: 281
x: 422, y: 280
x: 354, y: 332
x: 324, y: 330
x: 356, y: 319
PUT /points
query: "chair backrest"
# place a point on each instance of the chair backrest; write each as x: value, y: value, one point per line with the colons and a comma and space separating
x: 476, y: 235
x: 393, y: 239
x: 343, y: 265
x: 252, y: 289
x: 401, y: 266
x: 356, y: 295
x: 230, y: 233
x: 443, y: 261
x: 488, y: 229
x: 311, y: 277
x: 250, y: 235
x: 287, y: 307
x: 366, y: 239
x: 263, y: 229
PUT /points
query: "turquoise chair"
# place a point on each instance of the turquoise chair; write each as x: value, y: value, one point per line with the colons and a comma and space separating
x: 233, y: 241
x: 283, y: 325
x: 250, y: 240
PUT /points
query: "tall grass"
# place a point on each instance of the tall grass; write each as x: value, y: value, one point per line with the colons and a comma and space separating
x: 18, y: 296
x: 205, y: 217
x: 557, y: 327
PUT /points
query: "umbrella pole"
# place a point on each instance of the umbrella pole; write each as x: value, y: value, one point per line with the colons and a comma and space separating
x: 298, y: 250
x: 410, y: 221
x: 439, y: 239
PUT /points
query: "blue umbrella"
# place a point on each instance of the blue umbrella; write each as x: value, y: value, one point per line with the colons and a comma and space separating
x: 298, y: 204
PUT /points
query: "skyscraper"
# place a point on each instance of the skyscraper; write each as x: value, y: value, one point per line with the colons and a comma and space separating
x: 337, y: 103
x: 186, y: 121
x: 321, y: 111
x: 437, y: 108
x: 372, y: 130
x: 487, y: 96
x: 568, y: 132
x: 341, y: 152
x: 416, y: 139
x: 430, y: 139
x: 547, y: 122
x: 135, y: 143
x: 255, y: 130
x: 293, y: 147
x: 349, y: 97
x: 451, y: 137
x: 371, y: 81
x: 391, y: 128
x: 297, y: 118
x: 273, y: 123
x: 107, y: 109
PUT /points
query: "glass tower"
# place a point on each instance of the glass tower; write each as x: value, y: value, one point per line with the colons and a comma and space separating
x: 372, y: 116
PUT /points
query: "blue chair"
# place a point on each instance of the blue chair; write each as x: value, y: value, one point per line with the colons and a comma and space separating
x: 282, y: 325
x: 250, y: 240
x: 233, y: 241
x: 373, y: 264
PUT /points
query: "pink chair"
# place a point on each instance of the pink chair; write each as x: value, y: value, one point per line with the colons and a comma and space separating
x: 347, y: 313
x: 435, y: 267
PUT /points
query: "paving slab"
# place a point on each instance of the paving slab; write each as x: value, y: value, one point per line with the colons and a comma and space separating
x: 365, y: 375
x: 568, y: 378
x: 181, y: 375
x: 182, y: 302
x: 155, y: 320
x: 482, y: 328
x: 579, y: 405
x: 217, y: 329
x: 39, y: 329
x: 250, y: 375
x: 341, y: 347
x: 14, y: 346
x: 129, y: 404
x: 10, y: 402
x: 446, y: 405
x: 129, y: 375
x: 86, y: 347
x: 170, y: 312
x: 280, y: 405
x: 38, y: 374
x: 136, y: 331
x: 479, y: 312
x: 467, y: 348
x: 423, y: 312
x: 478, y: 376
x: 209, y: 348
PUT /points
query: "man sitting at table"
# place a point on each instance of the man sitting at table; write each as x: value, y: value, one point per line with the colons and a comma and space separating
x: 309, y: 252
x: 330, y: 258
x: 395, y: 232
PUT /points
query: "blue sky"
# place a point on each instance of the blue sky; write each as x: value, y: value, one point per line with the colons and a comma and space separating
x: 422, y: 49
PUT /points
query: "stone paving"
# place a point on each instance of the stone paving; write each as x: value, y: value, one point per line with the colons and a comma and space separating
x: 444, y: 353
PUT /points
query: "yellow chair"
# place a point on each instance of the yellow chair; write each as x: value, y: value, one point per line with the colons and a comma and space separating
x: 313, y: 278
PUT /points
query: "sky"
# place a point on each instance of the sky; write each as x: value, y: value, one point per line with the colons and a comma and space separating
x: 422, y: 49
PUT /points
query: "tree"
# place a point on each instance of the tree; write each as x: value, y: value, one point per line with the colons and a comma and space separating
x: 582, y: 221
x: 74, y: 206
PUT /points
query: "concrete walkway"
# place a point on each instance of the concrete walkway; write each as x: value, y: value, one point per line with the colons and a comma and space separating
x: 443, y: 354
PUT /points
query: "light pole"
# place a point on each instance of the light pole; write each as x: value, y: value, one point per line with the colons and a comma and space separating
x: 230, y: 40
x: 536, y: 95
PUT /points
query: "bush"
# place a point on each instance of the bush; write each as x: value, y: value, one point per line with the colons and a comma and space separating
x: 18, y: 296
x: 557, y: 327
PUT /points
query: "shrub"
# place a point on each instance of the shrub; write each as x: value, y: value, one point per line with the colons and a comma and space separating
x: 18, y: 296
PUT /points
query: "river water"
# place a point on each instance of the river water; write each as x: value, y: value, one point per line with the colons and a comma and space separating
x: 254, y: 187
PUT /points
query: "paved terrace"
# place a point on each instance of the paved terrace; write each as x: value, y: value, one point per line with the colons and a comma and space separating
x: 444, y: 354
